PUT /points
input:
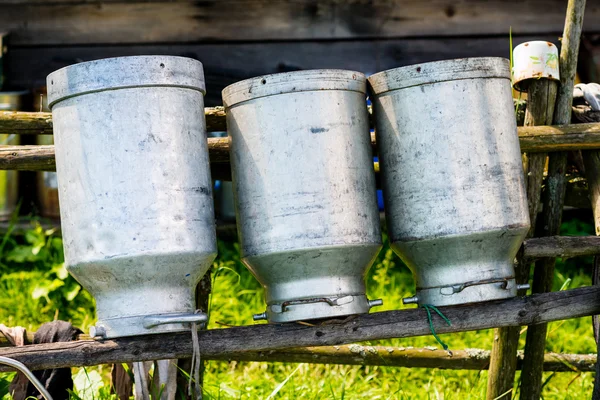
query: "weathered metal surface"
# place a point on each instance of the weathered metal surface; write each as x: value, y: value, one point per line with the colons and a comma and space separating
x: 134, y: 186
x: 9, y: 180
x: 452, y: 176
x: 534, y: 60
x: 304, y: 186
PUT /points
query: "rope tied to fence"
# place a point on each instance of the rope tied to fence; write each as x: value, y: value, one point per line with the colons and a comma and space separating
x: 427, y: 308
x: 196, y: 363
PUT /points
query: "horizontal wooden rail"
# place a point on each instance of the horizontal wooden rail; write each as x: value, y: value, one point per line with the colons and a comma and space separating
x: 41, y: 158
x: 562, y: 246
x: 388, y: 356
x: 40, y: 123
x: 429, y: 357
x: 214, y: 343
x: 534, y: 139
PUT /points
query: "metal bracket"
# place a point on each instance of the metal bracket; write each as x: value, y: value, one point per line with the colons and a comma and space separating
x: 450, y: 290
x: 335, y: 301
x: 181, y: 318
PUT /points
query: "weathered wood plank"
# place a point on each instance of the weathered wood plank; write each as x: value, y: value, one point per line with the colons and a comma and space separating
x: 41, y: 23
x: 562, y: 246
x: 553, y: 198
x: 25, y: 123
x: 41, y: 157
x: 383, y: 325
x: 40, y: 123
x: 28, y: 158
x: 227, y: 63
x: 535, y: 139
x: 408, y: 357
x: 545, y: 138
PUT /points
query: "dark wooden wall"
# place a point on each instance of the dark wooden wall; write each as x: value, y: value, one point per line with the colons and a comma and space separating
x: 236, y: 39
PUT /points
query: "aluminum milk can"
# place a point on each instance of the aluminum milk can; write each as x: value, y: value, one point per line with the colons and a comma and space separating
x: 135, y: 188
x: 452, y: 176
x: 304, y: 187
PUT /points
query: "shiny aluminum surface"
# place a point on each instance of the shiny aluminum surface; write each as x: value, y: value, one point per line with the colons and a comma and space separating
x: 135, y: 187
x: 305, y: 193
x: 452, y: 176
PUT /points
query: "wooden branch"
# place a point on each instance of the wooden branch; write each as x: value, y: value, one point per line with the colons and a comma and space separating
x: 384, y: 325
x: 553, y: 197
x: 562, y: 246
x: 533, y: 139
x: 25, y: 123
x: 40, y: 123
x: 41, y: 157
x: 28, y: 158
x: 408, y: 357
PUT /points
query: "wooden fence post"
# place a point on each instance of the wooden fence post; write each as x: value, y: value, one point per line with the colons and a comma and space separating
x: 541, y: 96
x: 553, y: 199
x: 203, y: 291
x: 591, y: 161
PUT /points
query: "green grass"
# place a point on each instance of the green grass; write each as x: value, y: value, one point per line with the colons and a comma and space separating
x: 31, y: 295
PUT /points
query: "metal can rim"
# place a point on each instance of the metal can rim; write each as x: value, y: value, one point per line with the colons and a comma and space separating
x: 292, y: 82
x: 523, y: 72
x: 439, y: 71
x: 124, y: 72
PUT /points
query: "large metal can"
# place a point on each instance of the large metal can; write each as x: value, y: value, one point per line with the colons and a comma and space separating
x: 9, y: 179
x: 135, y: 188
x: 304, y: 187
x: 452, y: 176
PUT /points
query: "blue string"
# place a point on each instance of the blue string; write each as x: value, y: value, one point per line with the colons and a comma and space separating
x: 434, y: 308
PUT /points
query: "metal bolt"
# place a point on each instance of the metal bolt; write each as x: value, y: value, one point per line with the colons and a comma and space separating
x: 375, y: 303
x: 97, y: 331
x: 410, y: 300
x: 523, y: 286
x: 258, y: 317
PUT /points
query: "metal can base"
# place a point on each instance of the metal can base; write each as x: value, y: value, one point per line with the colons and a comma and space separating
x: 145, y: 324
x: 494, y: 289
x: 319, y: 308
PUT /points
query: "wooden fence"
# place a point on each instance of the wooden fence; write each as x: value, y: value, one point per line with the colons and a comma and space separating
x: 295, y: 342
x: 282, y: 342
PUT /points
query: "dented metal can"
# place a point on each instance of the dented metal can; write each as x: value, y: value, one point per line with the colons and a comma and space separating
x: 452, y: 176
x: 135, y: 188
x: 304, y: 188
